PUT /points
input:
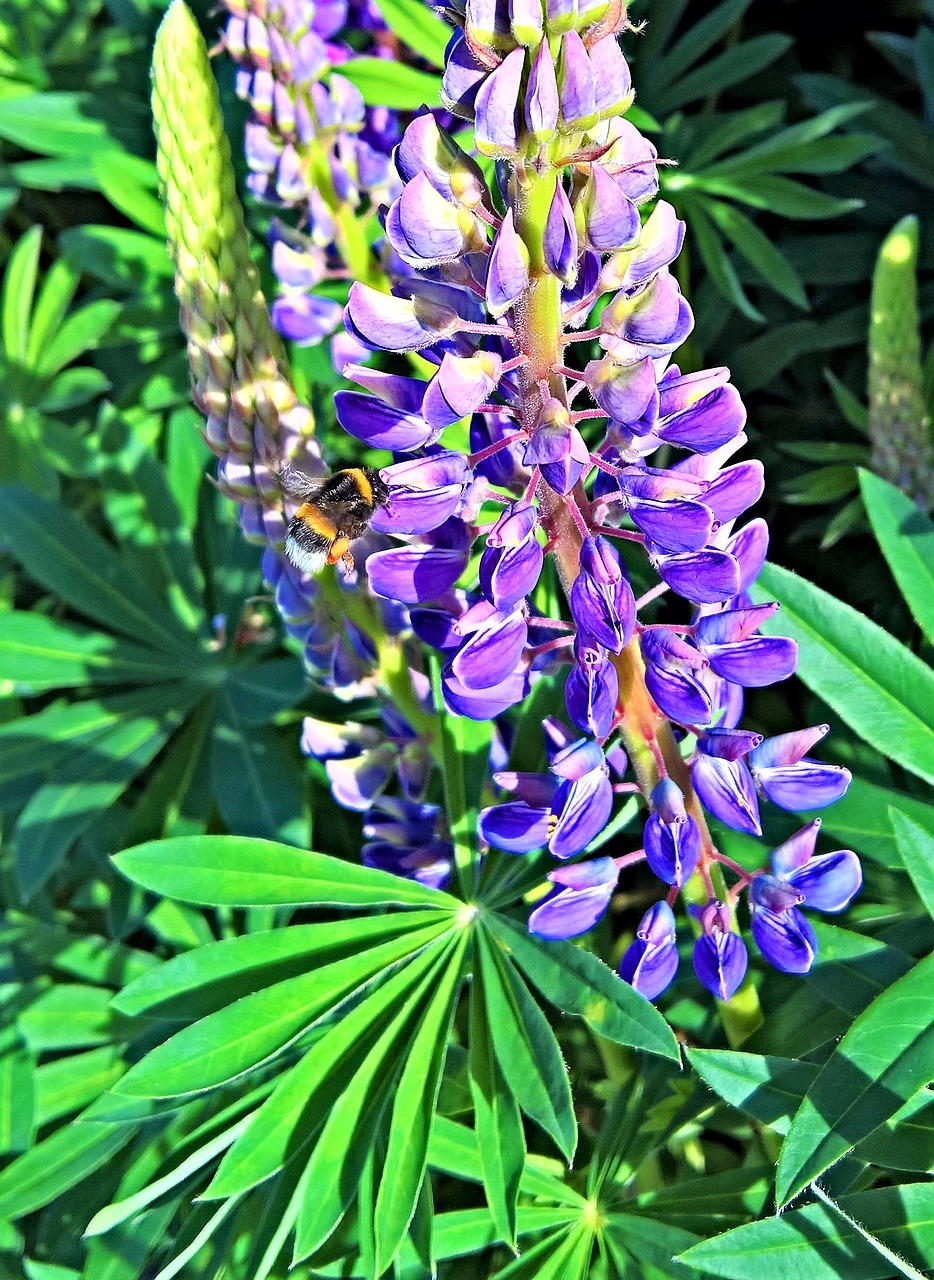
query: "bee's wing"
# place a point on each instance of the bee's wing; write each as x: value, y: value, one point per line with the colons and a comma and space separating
x: 297, y: 485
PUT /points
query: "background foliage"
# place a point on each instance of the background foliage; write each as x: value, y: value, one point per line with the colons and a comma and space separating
x: 149, y: 723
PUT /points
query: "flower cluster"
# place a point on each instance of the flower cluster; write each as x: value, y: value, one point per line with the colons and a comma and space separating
x: 500, y: 279
x: 311, y: 146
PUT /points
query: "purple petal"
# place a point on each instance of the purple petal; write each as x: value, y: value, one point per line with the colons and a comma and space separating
x: 427, y: 147
x: 728, y: 744
x: 380, y: 425
x: 624, y: 392
x: 414, y: 575
x: 576, y: 759
x: 483, y: 704
x: 385, y: 323
x: 424, y: 228
x: 806, y: 785
x: 788, y: 748
x: 754, y: 663
x: 735, y: 490
x: 703, y: 577
x: 496, y: 106
x: 357, y: 780
x: 611, y: 73
x: 570, y: 912
x: 582, y: 810
x: 304, y: 318
x: 492, y: 653
x: 750, y: 546
x: 678, y: 694
x: 590, y: 696
x: 559, y: 244
x: 796, y: 850
x: 720, y: 962
x: 829, y: 881
x: 608, y: 219
x: 726, y: 789
x: 463, y: 76
x: 650, y: 963
x: 460, y: 386
x: 712, y: 422
x: 541, y: 99
x: 672, y: 849
x: 508, y: 270
x: 677, y: 525
x: 787, y: 940
x: 576, y: 86
x: 586, y: 875
x: 515, y: 827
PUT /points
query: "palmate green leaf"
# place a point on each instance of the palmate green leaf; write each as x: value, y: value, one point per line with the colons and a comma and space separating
x: 56, y: 295
x: 696, y: 41
x: 413, y: 1108
x: 877, y: 686
x: 64, y: 807
x: 200, y: 981
x: 715, y: 1200
x: 71, y: 1016
x: 729, y: 131
x: 243, y: 760
x: 526, y: 1048
x: 74, y: 124
x: 905, y: 535
x: 37, y: 654
x: 225, y: 1044
x: 907, y: 1140
x: 455, y: 1150
x: 718, y: 265
x: 577, y: 982
x: 61, y: 553
x: 302, y: 1099
x: 916, y: 849
x: 815, y: 1243
x: 235, y: 871
x: 61, y: 1161
x: 500, y: 1139
x: 391, y: 84
x: 768, y: 1088
x: 563, y: 1256
x: 79, y: 332
x: 882, y: 1061
x: 650, y: 1243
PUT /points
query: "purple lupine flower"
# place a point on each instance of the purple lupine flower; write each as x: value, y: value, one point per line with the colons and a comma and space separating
x: 580, y: 900
x: 783, y: 771
x: 720, y: 958
x: 402, y: 838
x: 602, y: 602
x: 650, y: 962
x: 825, y: 882
x: 671, y: 838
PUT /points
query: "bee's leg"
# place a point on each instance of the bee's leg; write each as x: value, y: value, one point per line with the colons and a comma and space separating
x: 348, y: 561
x: 340, y: 550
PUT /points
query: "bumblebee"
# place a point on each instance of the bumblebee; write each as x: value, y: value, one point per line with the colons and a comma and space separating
x: 333, y: 512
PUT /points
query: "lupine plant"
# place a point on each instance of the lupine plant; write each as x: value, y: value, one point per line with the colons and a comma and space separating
x: 537, y: 968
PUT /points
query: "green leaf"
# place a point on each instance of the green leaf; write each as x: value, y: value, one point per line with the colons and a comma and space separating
x: 526, y: 1048
x: 37, y: 654
x: 916, y: 849
x: 391, y: 84
x: 851, y: 970
x: 70, y: 1016
x: 60, y: 552
x: 815, y: 1243
x: 227, y: 1043
x: 235, y: 871
x: 884, y: 1058
x: 258, y: 693
x: 759, y: 251
x: 730, y: 67
x: 562, y: 1256
x: 70, y: 1155
x: 718, y: 265
x: 860, y: 821
x: 906, y: 538
x: 74, y: 124
x: 498, y: 1121
x: 877, y: 686
x: 769, y: 1089
x: 55, y: 297
x: 200, y: 981
x: 243, y: 760
x: 19, y: 285
x: 17, y: 1098
x: 696, y: 41
x: 64, y: 1085
x: 413, y: 1108
x: 81, y: 331
x: 455, y: 1150
x: 417, y: 27
x: 776, y: 194
x: 64, y: 807
x: 575, y: 981
x: 303, y: 1097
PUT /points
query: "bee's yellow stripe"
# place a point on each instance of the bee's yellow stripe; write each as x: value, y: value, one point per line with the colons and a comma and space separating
x: 362, y: 483
x: 317, y: 521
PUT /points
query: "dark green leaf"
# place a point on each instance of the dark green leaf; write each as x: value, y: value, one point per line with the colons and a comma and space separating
x: 759, y: 251
x: 38, y: 654
x: 816, y: 1243
x: 767, y: 1088
x: 71, y: 1154
x: 61, y: 553
x: 916, y: 849
x: 885, y: 1057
